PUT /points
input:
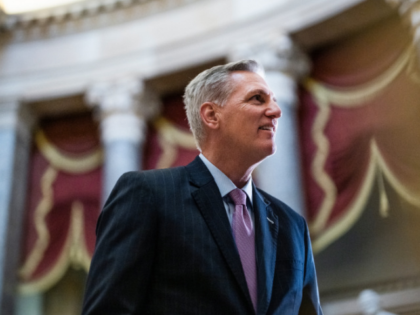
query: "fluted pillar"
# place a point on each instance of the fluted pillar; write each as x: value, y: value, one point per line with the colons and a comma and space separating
x: 284, y: 64
x: 123, y: 113
x: 15, y: 141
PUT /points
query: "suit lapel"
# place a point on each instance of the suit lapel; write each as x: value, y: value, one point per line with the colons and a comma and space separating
x: 266, y: 231
x: 210, y: 204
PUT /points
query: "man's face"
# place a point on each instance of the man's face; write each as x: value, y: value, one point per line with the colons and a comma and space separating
x: 248, y: 120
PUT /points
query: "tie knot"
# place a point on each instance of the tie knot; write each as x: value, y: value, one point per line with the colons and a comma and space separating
x: 238, y: 196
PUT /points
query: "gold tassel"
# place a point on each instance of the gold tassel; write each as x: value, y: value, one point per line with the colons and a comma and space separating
x: 383, y: 198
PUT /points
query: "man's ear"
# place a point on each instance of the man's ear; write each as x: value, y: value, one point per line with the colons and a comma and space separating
x: 209, y: 114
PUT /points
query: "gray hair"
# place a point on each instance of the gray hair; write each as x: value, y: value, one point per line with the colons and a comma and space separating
x: 212, y: 85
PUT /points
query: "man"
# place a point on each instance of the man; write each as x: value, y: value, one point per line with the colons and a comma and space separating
x: 188, y: 241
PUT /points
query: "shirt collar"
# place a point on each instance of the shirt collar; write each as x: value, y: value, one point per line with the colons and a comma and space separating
x: 223, y: 182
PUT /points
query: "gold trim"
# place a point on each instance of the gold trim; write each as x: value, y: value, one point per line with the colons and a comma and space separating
x: 170, y: 137
x: 352, y: 213
x: 325, y: 97
x: 174, y: 135
x: 357, y: 95
x: 411, y: 197
x: 383, y: 198
x: 52, y: 277
x: 169, y: 153
x: 319, y: 174
x: 79, y: 256
x: 40, y: 213
x: 377, y: 166
x: 74, y: 253
x: 64, y: 162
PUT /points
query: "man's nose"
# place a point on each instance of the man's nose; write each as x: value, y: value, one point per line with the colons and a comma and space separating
x: 274, y: 110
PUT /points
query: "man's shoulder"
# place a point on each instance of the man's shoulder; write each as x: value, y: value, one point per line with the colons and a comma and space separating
x: 155, y: 175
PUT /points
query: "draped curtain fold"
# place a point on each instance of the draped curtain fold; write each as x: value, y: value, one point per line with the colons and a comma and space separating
x: 63, y: 201
x: 359, y: 127
x: 65, y: 185
x: 170, y: 142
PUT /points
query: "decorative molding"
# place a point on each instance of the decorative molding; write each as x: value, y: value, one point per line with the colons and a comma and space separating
x: 118, y: 95
x: 82, y: 16
x: 123, y: 105
x: 103, y: 52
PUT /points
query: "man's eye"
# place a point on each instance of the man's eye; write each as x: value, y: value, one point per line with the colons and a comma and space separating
x: 258, y: 98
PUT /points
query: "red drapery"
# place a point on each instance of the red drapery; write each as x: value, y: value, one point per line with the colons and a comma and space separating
x: 65, y: 184
x: 63, y: 200
x: 170, y: 142
x: 359, y: 126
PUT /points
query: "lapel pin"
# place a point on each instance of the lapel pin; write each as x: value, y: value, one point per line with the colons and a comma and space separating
x: 269, y: 220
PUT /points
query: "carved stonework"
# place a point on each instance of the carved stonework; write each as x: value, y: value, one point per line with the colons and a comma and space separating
x: 81, y: 16
x: 120, y: 95
x: 123, y: 105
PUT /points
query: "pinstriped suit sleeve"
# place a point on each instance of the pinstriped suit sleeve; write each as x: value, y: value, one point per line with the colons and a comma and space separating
x: 310, y: 296
x: 120, y: 272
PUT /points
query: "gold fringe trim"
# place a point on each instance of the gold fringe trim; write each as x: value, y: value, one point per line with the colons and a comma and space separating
x: 41, y: 212
x: 325, y: 97
x: 319, y: 174
x: 357, y: 95
x: 63, y: 162
x: 78, y: 253
x: 352, y: 213
x: 74, y: 253
x: 377, y: 166
x: 410, y: 196
x: 170, y: 137
x: 169, y: 153
x: 383, y: 198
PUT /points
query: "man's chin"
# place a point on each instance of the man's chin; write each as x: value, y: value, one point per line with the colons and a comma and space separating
x: 267, y: 151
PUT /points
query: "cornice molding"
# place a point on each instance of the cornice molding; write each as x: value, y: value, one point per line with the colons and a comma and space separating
x: 144, y: 49
x: 81, y: 16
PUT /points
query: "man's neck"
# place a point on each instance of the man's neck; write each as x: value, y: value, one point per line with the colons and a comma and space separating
x: 232, y: 167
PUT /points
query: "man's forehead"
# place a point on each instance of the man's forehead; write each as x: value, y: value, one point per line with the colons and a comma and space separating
x: 247, y: 80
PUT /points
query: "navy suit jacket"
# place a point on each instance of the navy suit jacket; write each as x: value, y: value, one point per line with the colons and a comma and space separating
x: 165, y: 246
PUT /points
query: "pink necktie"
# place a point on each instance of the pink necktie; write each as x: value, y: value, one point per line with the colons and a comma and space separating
x: 243, y: 231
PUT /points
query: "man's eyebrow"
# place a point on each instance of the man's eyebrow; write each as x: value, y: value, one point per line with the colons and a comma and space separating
x: 264, y: 92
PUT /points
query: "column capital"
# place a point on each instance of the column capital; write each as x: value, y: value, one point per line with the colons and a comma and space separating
x: 115, y: 95
x: 123, y: 104
x: 277, y: 53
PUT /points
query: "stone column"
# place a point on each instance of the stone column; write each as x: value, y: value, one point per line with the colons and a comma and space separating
x: 122, y: 125
x: 15, y: 140
x: 284, y: 64
x: 410, y: 11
